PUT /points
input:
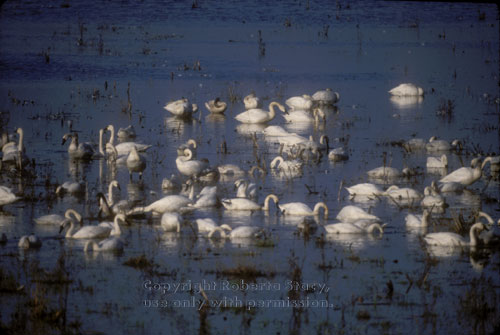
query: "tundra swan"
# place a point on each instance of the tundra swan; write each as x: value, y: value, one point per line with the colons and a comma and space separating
x: 78, y: 150
x: 243, y: 204
x: 326, y: 97
x: 181, y: 108
x: 465, y: 175
x: 29, y: 242
x: 418, y: 221
x: 351, y: 228
x: 85, y: 231
x: 350, y: 214
x: 251, y: 101
x: 437, y: 162
x: 304, y: 102
x: 115, y: 225
x: 216, y: 106
x: 257, y: 115
x: 7, y: 196
x: 453, y: 239
x: 301, y: 209
x: 58, y: 219
x: 112, y: 244
x: 364, y: 189
x: 123, y: 148
x: 407, y: 89
x: 189, y: 166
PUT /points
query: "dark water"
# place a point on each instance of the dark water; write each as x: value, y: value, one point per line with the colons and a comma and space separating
x: 85, y: 63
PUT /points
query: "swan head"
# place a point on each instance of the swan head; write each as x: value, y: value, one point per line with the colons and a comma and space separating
x: 76, y: 215
x: 66, y: 137
x: 420, y: 91
x: 221, y: 233
x: 432, y: 139
x: 375, y: 226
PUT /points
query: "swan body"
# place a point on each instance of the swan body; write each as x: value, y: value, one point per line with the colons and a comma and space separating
x: 135, y: 162
x: 112, y: 244
x: 338, y: 155
x: 123, y: 148
x: 58, y: 219
x: 350, y: 214
x: 251, y: 101
x: 11, y: 151
x: 257, y: 115
x: 181, y: 108
x: 437, y: 162
x: 432, y: 198
x: 492, y: 236
x: 351, y: 228
x: 364, y: 189
x: 407, y: 89
x: 464, y: 175
x: 70, y: 187
x: 384, y: 172
x: 453, y: 239
x: 189, y: 166
x: 78, y: 150
x: 273, y: 131
x: 241, y: 232
x: 405, y: 193
x: 245, y: 189
x: 29, y: 242
x: 441, y: 145
x: 169, y: 203
x: 207, y: 197
x: 216, y: 106
x: 286, y: 165
x: 301, y: 209
x: 230, y: 170
x: 418, y: 221
x: 243, y: 204
x: 304, y: 102
x: 7, y: 196
x: 115, y: 225
x: 126, y: 133
x: 171, y: 222
x: 208, y: 225
x: 326, y: 97
x: 84, y: 232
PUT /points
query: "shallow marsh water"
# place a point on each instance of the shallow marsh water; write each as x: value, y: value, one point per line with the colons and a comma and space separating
x: 86, y: 64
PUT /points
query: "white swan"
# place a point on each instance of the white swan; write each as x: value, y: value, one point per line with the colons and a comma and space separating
x: 251, y: 101
x: 290, y: 166
x: 418, y: 221
x: 273, y: 131
x: 407, y: 89
x: 350, y: 214
x: 230, y: 170
x: 171, y: 184
x: 84, y: 232
x: 492, y: 236
x: 115, y: 225
x: 78, y: 150
x: 216, y: 106
x: 191, y: 144
x: 432, y: 198
x: 244, y: 189
x: 29, y: 242
x: 123, y: 148
x: 70, y: 187
x: 11, y: 151
x: 243, y: 204
x: 301, y: 209
x: 112, y: 244
x: 414, y: 144
x: 58, y: 219
x: 385, y: 172
x: 7, y: 196
x: 455, y: 240
x: 304, y: 102
x: 437, y: 162
x: 435, y: 145
x: 207, y: 225
x: 189, y: 166
x: 169, y: 203
x: 257, y: 115
x: 465, y: 175
x: 135, y: 162
x: 126, y: 133
x: 171, y: 222
x: 326, y: 97
x: 241, y: 232
x: 494, y: 163
x: 207, y: 197
x: 181, y: 108
x: 351, y: 228
x: 404, y: 193
x: 364, y: 189
x: 338, y: 154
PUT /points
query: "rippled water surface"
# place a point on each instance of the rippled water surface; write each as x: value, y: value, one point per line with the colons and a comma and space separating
x: 88, y: 65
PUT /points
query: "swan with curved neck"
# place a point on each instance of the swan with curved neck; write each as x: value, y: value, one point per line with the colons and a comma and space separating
x: 251, y: 101
x: 216, y: 106
x: 243, y: 204
x: 10, y: 150
x: 123, y: 148
x: 190, y: 144
x: 84, y: 232
x: 189, y: 166
x: 455, y: 240
x: 364, y: 189
x: 169, y: 203
x: 257, y: 115
x: 493, y: 235
x: 135, y: 163
x: 238, y: 232
x: 245, y: 189
x: 78, y: 150
x: 301, y: 209
x: 351, y: 214
x: 465, y: 175
x: 115, y: 225
x: 7, y: 196
x: 418, y: 221
x: 58, y: 219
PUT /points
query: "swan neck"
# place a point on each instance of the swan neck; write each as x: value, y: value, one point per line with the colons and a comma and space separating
x: 101, y: 146
x: 112, y: 137
x: 266, y: 201
x: 21, y: 139
x: 71, y: 230
x: 116, y: 226
x: 276, y: 161
x: 317, y: 208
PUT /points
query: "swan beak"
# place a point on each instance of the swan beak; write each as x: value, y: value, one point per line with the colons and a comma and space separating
x: 61, y: 228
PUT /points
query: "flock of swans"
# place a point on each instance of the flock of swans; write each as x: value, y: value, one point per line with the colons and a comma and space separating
x: 195, y: 173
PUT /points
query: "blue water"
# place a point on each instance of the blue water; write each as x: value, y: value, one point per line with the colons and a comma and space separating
x: 144, y: 48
